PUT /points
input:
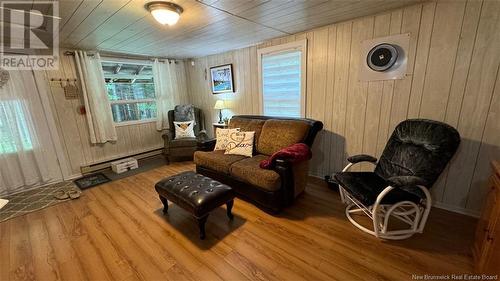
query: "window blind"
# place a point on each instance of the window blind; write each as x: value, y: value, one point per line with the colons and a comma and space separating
x: 281, y: 84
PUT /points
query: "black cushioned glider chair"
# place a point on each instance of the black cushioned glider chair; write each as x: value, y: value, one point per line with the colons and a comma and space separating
x: 398, y: 188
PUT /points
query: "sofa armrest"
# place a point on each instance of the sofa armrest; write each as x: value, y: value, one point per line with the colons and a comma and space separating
x: 206, y: 144
x: 361, y: 158
x: 284, y: 168
x: 283, y: 163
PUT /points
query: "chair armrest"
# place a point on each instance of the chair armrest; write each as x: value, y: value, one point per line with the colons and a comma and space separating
x: 168, y: 136
x: 202, y: 136
x: 406, y: 181
x: 206, y: 144
x: 284, y: 168
x: 361, y: 158
x: 411, y: 184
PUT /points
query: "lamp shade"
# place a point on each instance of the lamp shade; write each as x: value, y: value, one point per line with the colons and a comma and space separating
x: 219, y: 104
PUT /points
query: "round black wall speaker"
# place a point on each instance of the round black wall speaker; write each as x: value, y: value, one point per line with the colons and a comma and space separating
x: 382, y: 57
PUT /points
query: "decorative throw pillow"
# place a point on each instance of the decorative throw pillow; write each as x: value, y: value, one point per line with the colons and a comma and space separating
x: 240, y: 143
x: 222, y: 136
x: 184, y: 129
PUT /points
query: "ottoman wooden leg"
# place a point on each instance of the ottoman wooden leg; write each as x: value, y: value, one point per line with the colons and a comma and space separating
x: 229, y: 206
x: 165, y: 204
x: 201, y: 225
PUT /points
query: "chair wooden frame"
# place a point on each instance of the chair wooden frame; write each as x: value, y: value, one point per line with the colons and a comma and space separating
x: 412, y: 214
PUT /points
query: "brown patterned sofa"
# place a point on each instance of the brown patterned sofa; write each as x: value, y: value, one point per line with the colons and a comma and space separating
x: 269, y: 189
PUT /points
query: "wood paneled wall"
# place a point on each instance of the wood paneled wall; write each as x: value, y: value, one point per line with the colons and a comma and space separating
x: 452, y: 76
x: 73, y: 128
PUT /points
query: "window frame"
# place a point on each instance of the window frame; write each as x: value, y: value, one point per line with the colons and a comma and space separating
x: 300, y: 45
x: 111, y: 103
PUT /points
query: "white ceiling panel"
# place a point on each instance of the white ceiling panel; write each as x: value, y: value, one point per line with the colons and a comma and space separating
x: 205, y: 27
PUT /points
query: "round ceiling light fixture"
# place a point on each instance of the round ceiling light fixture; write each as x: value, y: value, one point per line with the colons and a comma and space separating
x: 164, y: 12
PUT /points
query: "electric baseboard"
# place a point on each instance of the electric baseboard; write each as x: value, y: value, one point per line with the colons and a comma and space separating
x: 107, y: 164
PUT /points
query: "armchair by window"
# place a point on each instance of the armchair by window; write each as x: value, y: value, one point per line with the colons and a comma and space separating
x: 414, y: 157
x: 184, y: 148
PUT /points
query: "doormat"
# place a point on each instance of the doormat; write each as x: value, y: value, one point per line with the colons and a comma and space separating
x: 33, y: 200
x: 91, y: 180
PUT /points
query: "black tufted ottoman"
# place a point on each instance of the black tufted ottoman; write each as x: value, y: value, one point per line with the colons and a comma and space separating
x: 196, y: 194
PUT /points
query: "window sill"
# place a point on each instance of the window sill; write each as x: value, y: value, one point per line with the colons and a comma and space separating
x: 137, y: 122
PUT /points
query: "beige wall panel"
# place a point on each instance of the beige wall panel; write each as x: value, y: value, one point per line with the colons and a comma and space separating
x: 374, y: 97
x: 410, y: 24
x: 443, y: 49
x: 357, y: 91
x: 329, y: 98
x: 476, y: 105
x: 388, y: 91
x: 489, y: 150
x: 421, y: 59
x: 441, y: 62
x: 316, y: 97
x: 453, y: 65
x: 342, y: 58
x: 460, y: 72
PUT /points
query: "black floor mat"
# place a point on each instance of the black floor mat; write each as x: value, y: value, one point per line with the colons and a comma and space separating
x: 91, y: 180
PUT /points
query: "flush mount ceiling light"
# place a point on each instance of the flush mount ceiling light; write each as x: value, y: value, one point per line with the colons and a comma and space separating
x: 164, y: 12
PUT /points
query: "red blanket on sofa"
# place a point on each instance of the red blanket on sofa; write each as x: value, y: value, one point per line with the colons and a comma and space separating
x: 294, y: 153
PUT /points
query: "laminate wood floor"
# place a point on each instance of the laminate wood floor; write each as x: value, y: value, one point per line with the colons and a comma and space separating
x: 117, y: 231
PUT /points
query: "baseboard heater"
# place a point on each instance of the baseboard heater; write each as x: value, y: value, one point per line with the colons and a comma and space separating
x: 107, y: 164
x: 124, y: 165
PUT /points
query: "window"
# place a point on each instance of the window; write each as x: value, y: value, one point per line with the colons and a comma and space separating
x: 282, y: 79
x: 131, y: 92
x: 14, y: 133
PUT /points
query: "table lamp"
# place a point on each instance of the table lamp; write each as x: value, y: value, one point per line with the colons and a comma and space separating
x: 219, y: 104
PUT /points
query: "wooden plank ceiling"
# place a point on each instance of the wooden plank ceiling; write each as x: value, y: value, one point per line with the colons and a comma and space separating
x: 206, y: 27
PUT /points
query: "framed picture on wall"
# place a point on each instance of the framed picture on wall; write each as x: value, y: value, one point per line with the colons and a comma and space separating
x: 222, y: 79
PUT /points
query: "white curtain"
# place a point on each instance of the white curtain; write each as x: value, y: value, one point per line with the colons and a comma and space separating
x: 99, y: 116
x: 27, y: 152
x: 162, y: 76
x: 170, y: 89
